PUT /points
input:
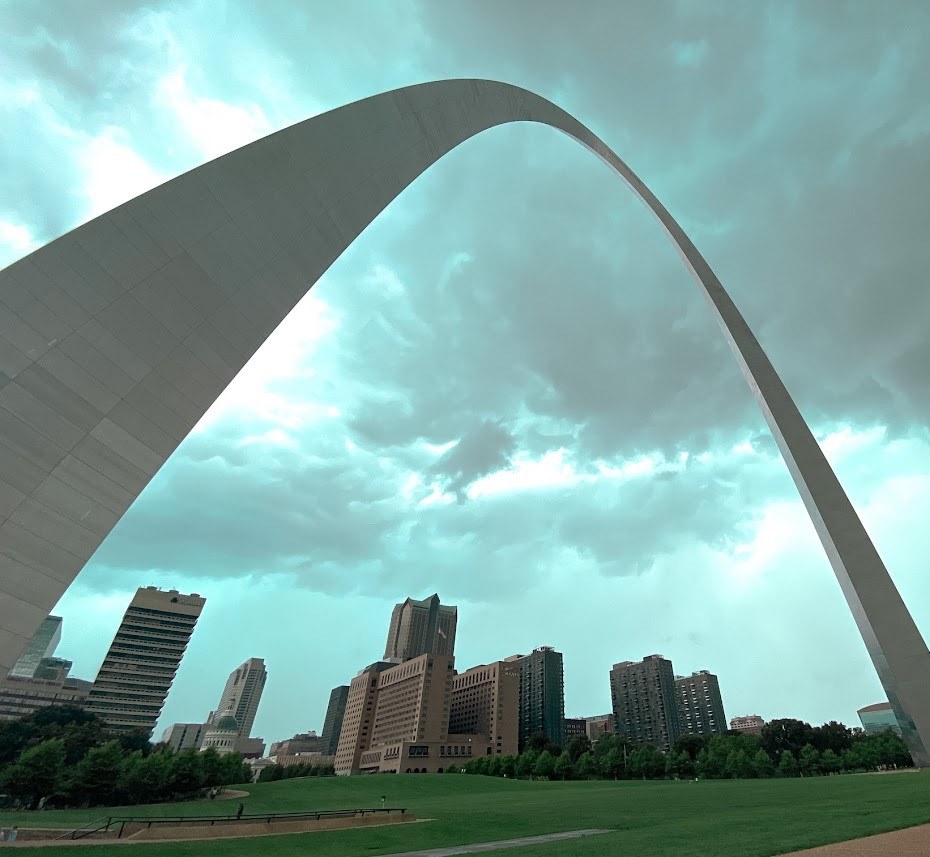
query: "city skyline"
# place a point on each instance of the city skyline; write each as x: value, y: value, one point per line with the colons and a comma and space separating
x: 742, y: 568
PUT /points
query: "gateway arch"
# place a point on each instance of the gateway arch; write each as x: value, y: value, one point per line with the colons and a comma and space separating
x: 117, y: 337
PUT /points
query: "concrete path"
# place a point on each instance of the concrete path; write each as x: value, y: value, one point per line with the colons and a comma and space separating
x: 910, y: 842
x: 478, y: 847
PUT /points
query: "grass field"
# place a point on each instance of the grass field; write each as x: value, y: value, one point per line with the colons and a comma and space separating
x: 731, y: 818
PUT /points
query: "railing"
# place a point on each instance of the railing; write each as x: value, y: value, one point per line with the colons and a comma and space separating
x: 118, y: 823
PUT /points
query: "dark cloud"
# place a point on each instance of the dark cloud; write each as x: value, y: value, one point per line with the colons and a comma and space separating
x: 485, y: 449
x: 518, y: 301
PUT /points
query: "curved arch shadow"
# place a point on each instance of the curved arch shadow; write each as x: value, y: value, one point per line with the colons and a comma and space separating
x: 116, y: 337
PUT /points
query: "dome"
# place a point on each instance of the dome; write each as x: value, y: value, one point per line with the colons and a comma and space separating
x: 226, y: 723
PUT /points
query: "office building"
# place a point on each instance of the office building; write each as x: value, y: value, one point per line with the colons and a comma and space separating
x: 40, y: 648
x: 700, y: 707
x: 243, y: 692
x: 542, y: 700
x: 751, y: 724
x: 183, y: 736
x: 355, y: 735
x: 878, y: 718
x: 600, y: 724
x: 645, y: 701
x: 486, y: 701
x: 574, y: 726
x: 397, y: 720
x: 316, y: 759
x: 251, y: 748
x: 421, y: 627
x: 332, y: 722
x: 302, y: 742
x: 22, y: 696
x: 138, y: 670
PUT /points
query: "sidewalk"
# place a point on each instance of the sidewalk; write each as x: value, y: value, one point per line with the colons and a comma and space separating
x: 910, y: 842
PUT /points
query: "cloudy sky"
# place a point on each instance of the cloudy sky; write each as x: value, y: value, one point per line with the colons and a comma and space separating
x: 508, y: 390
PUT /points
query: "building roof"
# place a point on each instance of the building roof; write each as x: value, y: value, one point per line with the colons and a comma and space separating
x: 879, y: 706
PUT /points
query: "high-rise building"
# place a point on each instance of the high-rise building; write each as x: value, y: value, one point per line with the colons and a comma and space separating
x: 332, y: 723
x: 542, y: 695
x: 40, y: 648
x: 749, y: 723
x: 645, y: 701
x: 242, y: 694
x: 421, y: 627
x: 486, y: 701
x: 397, y: 720
x: 700, y: 707
x: 355, y: 735
x: 183, y: 736
x: 140, y: 666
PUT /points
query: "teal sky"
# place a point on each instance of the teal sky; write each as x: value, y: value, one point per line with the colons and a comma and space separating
x: 509, y: 390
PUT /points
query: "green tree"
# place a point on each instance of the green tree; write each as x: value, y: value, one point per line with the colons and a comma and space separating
x: 492, y: 766
x: 830, y: 763
x: 526, y: 763
x: 577, y: 747
x: 646, y: 763
x: 680, y: 765
x: 233, y: 769
x: 832, y: 736
x: 564, y: 768
x: 545, y: 765
x: 452, y: 769
x: 712, y: 760
x: 508, y: 766
x: 78, y: 729
x: 762, y: 764
x: 96, y: 777
x: 739, y: 766
x: 690, y: 744
x: 785, y: 734
x: 787, y: 764
x: 271, y: 774
x: 809, y: 761
x: 586, y: 767
x: 186, y: 776
x: 888, y: 749
x: 37, y: 773
x: 540, y: 742
x: 612, y: 764
x: 212, y: 765
x: 144, y: 779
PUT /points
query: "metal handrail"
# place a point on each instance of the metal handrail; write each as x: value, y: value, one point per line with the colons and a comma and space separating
x: 104, y: 824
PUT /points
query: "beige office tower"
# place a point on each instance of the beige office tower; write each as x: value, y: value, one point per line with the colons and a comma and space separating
x: 242, y: 694
x: 355, y: 734
x: 397, y: 716
x: 421, y: 627
x: 486, y: 701
x: 136, y: 675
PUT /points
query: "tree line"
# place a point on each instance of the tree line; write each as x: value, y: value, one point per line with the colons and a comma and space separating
x: 64, y: 756
x: 273, y: 773
x: 786, y: 748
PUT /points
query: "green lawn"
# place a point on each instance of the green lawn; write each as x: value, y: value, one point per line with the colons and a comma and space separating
x: 732, y: 818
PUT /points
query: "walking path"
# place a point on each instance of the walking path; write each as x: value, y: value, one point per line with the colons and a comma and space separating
x: 478, y: 847
x: 910, y: 842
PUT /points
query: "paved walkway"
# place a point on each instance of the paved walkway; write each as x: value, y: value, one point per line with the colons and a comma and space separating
x: 478, y: 847
x: 910, y: 842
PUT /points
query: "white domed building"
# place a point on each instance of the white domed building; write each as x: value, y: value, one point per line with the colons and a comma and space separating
x: 222, y: 733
